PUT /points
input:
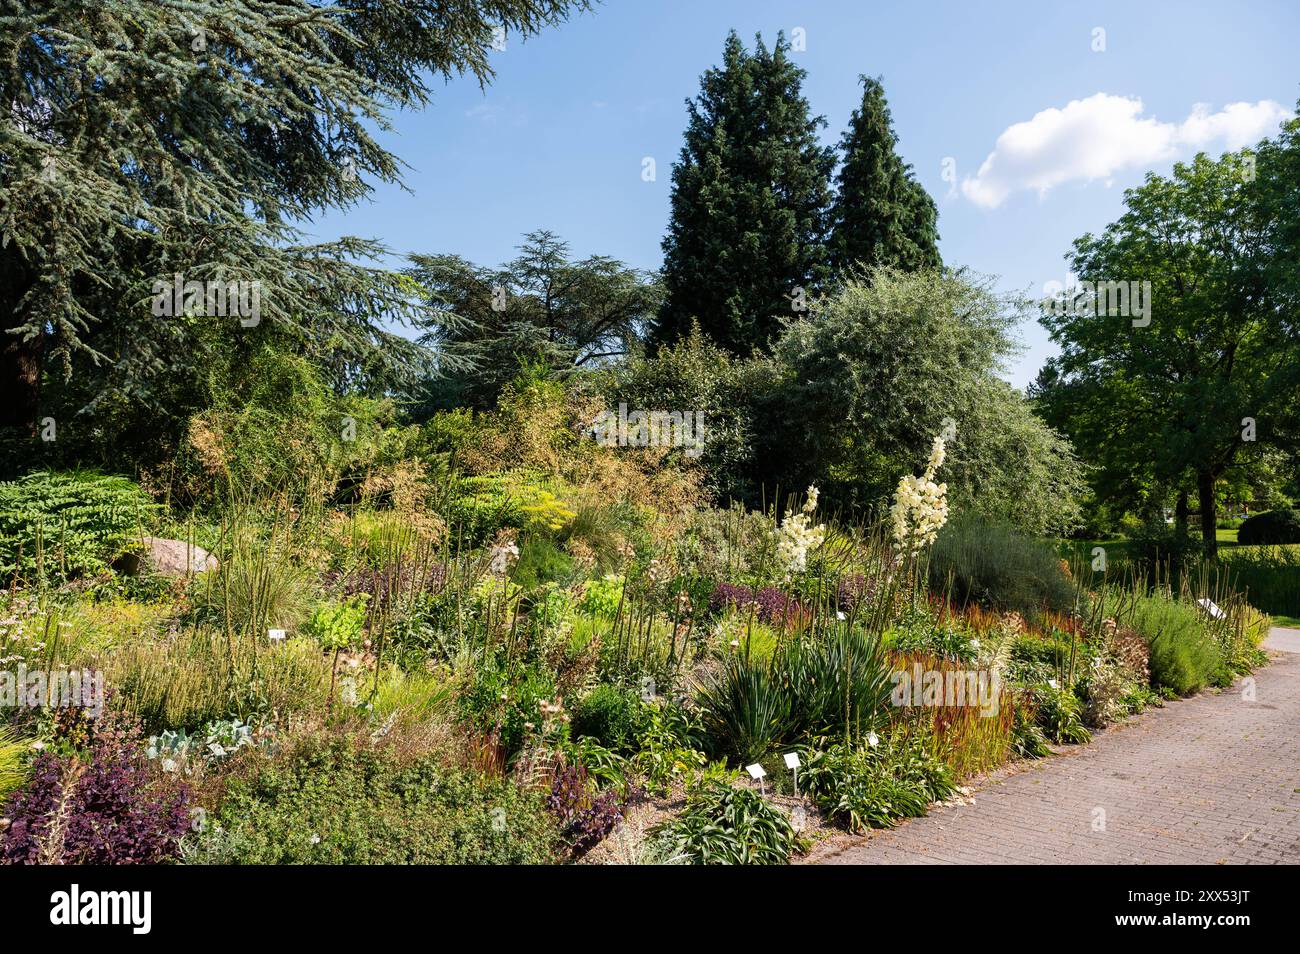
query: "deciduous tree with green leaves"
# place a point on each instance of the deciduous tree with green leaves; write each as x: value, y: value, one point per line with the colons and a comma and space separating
x: 1172, y: 397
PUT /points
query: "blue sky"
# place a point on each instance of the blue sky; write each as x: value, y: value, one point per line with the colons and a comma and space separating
x: 557, y: 141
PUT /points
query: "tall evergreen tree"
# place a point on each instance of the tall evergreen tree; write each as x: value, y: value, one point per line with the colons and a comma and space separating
x: 751, y: 190
x: 143, y: 139
x: 881, y: 214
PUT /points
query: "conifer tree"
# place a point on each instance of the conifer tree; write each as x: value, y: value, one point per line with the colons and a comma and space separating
x: 746, y: 241
x: 142, y: 139
x: 881, y: 214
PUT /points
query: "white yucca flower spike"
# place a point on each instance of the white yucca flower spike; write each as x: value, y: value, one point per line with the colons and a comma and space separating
x: 920, y: 506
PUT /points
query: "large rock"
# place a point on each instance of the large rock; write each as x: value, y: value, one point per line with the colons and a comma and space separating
x: 168, y: 558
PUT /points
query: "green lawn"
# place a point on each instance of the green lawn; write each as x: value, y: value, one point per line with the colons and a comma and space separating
x: 1270, y: 576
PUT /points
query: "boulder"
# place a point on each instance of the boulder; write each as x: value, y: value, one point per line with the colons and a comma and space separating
x: 168, y: 558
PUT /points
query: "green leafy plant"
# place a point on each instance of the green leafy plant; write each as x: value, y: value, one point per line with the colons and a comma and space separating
x: 337, y: 625
x: 726, y: 825
x: 70, y: 524
x: 1060, y: 714
x: 611, y: 715
x: 336, y: 801
x: 873, y: 785
x: 601, y: 597
x: 668, y: 752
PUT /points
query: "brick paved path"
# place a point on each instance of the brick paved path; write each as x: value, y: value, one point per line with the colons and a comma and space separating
x: 1206, y: 780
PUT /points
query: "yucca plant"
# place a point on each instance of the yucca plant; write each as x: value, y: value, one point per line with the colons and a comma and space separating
x: 747, y: 708
x: 837, y: 682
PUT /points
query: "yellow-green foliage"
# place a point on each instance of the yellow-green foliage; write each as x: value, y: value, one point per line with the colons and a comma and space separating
x: 196, y: 676
x: 416, y: 696
x: 13, y: 762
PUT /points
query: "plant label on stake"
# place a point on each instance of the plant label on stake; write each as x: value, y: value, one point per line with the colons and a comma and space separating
x: 275, y: 635
x: 1211, y: 607
x: 757, y: 772
x: 792, y: 763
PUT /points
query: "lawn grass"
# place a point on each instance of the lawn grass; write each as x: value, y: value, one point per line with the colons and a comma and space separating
x: 1269, y: 575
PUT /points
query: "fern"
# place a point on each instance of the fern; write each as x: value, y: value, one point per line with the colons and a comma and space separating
x: 68, y: 524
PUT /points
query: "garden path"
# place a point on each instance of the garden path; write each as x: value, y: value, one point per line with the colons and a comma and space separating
x: 1211, y: 779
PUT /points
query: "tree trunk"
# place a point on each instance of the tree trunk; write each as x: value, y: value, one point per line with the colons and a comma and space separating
x: 1205, y: 481
x: 20, y: 384
x: 1180, y: 514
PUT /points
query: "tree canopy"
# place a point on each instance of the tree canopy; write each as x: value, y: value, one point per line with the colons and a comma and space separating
x: 881, y: 215
x: 746, y: 239
x: 541, y: 306
x: 143, y: 140
x: 1206, y: 373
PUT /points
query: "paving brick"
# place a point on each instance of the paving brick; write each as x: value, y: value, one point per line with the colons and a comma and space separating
x: 1200, y: 781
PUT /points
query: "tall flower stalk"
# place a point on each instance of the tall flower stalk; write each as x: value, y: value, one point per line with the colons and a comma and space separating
x: 920, y: 505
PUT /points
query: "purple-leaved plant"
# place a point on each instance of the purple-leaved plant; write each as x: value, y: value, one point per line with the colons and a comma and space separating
x: 98, y: 807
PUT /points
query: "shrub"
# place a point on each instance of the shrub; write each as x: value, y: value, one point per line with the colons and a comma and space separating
x: 1184, y: 655
x: 612, y: 716
x: 100, y: 807
x: 70, y: 523
x: 1269, y: 576
x: 1271, y: 527
x: 336, y: 802
x: 872, y: 786
x: 993, y: 565
x: 725, y: 825
x: 483, y: 506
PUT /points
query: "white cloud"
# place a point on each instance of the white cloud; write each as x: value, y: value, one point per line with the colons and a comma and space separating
x: 1097, y: 137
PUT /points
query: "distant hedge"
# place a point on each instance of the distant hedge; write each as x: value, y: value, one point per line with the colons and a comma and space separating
x: 1274, y: 526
